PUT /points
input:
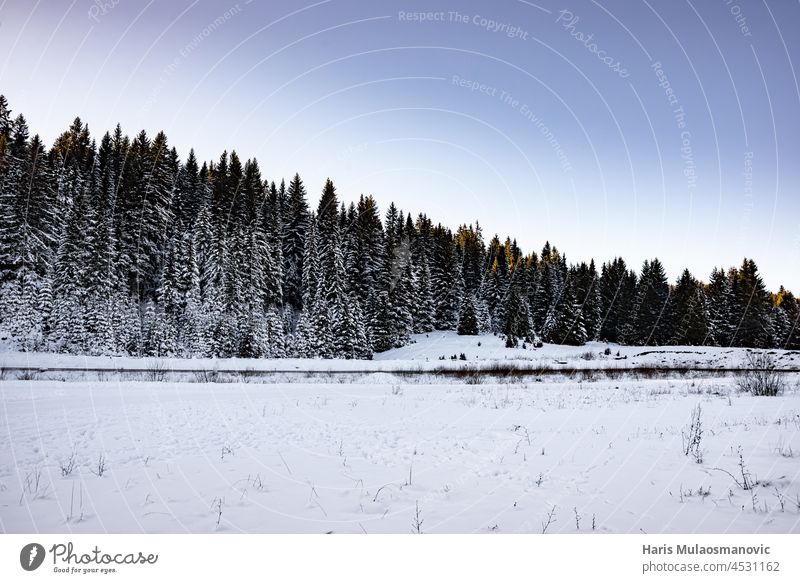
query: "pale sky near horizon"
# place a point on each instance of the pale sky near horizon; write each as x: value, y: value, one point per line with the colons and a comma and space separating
x: 610, y: 128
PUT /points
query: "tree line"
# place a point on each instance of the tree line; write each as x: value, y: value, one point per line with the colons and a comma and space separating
x: 119, y: 247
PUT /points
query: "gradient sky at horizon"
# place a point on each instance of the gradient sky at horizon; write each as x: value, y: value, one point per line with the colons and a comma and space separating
x: 558, y: 145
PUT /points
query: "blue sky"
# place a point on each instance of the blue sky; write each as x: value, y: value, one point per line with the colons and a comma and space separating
x: 640, y: 129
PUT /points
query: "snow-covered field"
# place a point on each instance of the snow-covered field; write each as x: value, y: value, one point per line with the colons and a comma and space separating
x: 380, y: 452
x: 428, y: 352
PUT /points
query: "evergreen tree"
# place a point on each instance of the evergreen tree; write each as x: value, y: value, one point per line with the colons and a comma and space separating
x: 690, y: 311
x: 12, y: 197
x: 294, y: 236
x: 750, y: 314
x: 650, y: 319
x: 445, y: 275
x: 401, y: 301
x: 495, y: 285
x: 565, y: 323
x: 518, y: 324
x: 381, y: 326
x: 617, y: 294
x: 787, y: 320
x: 719, y: 298
x: 423, y: 307
x: 472, y: 254
x: 587, y: 294
x: 467, y: 316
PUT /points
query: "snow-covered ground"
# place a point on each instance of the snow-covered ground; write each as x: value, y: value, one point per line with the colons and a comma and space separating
x: 361, y: 453
x: 427, y: 352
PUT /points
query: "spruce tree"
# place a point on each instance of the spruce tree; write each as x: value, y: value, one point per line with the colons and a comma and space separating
x: 294, y: 236
x: 565, y: 323
x: 587, y: 294
x: 787, y: 329
x: 423, y: 307
x: 719, y: 297
x: 444, y: 279
x: 751, y: 308
x: 518, y: 324
x: 401, y: 300
x: 617, y: 294
x: 467, y: 316
x: 690, y: 311
x: 650, y: 321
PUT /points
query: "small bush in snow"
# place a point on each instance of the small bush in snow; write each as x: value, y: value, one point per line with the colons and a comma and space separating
x: 760, y: 378
x: 34, y: 485
x: 67, y: 466
x: 693, y: 436
x: 101, y: 467
x: 28, y: 375
x: 416, y: 523
x: 157, y: 371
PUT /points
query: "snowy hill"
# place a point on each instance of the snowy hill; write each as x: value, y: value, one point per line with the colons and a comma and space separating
x: 433, y: 346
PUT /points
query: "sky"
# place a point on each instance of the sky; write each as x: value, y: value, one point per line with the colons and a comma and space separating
x: 610, y: 128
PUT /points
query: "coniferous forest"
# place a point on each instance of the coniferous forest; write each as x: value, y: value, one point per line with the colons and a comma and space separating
x: 121, y: 247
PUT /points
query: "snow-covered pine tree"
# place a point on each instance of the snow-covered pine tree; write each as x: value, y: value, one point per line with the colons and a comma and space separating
x: 12, y: 199
x: 444, y: 279
x: 690, y: 312
x: 308, y: 335
x: 381, y: 327
x: 401, y: 300
x: 617, y: 294
x: 188, y: 197
x: 650, y: 320
x: 347, y: 331
x: 751, y: 313
x: 787, y: 320
x: 565, y: 323
x: 472, y: 256
x: 69, y: 285
x: 546, y: 290
x: 328, y: 226
x: 422, y: 309
x: 518, y: 323
x: 275, y: 330
x: 5, y: 128
x: 719, y: 297
x: 156, y: 214
x: 587, y: 294
x: 467, y: 316
x: 494, y: 287
x: 294, y: 237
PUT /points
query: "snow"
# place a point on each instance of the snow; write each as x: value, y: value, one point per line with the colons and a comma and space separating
x: 432, y: 346
x: 356, y: 453
x: 424, y: 353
